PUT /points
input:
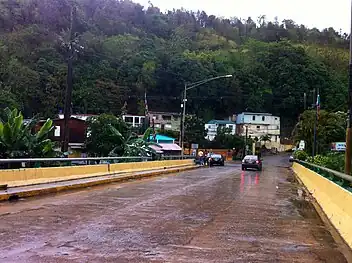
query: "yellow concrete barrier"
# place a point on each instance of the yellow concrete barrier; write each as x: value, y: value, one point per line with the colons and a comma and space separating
x: 144, y: 166
x: 335, y: 201
x: 30, y: 176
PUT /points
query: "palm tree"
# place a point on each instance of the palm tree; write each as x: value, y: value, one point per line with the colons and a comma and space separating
x: 265, y: 138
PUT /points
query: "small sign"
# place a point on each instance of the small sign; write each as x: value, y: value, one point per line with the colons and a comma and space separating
x: 302, y: 145
x: 338, y: 146
x: 194, y: 146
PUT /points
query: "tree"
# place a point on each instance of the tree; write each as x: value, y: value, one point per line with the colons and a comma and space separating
x: 101, y: 139
x: 18, y: 139
x: 331, y: 127
x: 108, y: 135
x: 224, y: 139
x: 129, y: 49
x: 194, y: 129
x: 134, y: 145
x: 265, y: 138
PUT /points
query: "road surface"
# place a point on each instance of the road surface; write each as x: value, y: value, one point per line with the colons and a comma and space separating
x: 217, y: 214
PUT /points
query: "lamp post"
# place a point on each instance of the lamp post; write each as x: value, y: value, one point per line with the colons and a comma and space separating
x: 349, y: 121
x: 183, y: 105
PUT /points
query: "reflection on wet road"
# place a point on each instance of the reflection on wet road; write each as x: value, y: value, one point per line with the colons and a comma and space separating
x: 218, y: 214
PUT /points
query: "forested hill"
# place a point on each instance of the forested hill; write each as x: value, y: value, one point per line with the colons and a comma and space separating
x: 128, y: 48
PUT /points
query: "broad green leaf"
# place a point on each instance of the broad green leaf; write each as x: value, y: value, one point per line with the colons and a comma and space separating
x: 45, y: 129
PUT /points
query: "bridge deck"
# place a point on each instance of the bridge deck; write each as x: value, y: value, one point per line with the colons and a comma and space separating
x: 220, y: 214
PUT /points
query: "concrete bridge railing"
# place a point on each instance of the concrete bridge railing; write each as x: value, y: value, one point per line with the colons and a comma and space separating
x: 31, y: 176
x: 332, y: 191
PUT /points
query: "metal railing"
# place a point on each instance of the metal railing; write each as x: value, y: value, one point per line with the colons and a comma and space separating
x: 341, y: 179
x: 177, y: 157
x: 52, y: 162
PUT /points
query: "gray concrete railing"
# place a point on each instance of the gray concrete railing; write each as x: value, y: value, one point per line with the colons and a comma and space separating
x: 344, y: 180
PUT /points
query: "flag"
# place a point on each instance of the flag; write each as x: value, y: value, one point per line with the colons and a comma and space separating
x: 146, y: 103
x: 318, y: 105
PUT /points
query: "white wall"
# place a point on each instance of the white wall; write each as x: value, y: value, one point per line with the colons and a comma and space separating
x: 213, y: 128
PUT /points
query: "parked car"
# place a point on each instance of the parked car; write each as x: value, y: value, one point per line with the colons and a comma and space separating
x: 252, y: 162
x: 216, y: 159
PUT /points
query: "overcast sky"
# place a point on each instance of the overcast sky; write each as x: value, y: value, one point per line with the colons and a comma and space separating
x: 312, y: 13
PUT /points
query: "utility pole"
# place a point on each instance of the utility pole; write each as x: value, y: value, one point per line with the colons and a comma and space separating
x: 349, y: 121
x: 315, y: 127
x: 305, y: 100
x: 245, y: 142
x: 183, y: 119
x: 68, y: 94
x: 72, y: 47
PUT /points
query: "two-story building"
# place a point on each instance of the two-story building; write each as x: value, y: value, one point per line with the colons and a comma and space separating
x: 166, y: 120
x: 258, y: 125
x: 212, y: 128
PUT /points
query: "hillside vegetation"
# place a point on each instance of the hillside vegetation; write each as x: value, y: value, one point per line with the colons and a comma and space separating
x: 127, y: 49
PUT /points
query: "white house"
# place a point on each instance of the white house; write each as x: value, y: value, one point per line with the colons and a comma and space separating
x: 213, y: 125
x: 134, y: 120
x: 258, y: 125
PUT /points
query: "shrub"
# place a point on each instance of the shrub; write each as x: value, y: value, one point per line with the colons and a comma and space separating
x: 334, y: 161
x: 300, y: 155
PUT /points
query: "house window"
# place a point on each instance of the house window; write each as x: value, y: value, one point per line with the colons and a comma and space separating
x: 129, y: 119
x: 57, y: 131
x: 166, y: 117
x: 258, y: 127
x: 276, y: 119
x: 263, y: 118
x: 278, y: 127
x: 230, y: 127
x: 136, y: 120
x: 253, y: 118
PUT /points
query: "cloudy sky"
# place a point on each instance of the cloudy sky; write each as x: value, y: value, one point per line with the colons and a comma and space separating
x: 312, y: 13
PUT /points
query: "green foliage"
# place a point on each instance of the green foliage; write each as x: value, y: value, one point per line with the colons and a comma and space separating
x: 300, y: 155
x: 18, y: 139
x: 334, y: 161
x: 111, y: 136
x: 331, y: 128
x: 105, y: 133
x: 225, y: 140
x: 194, y: 129
x: 128, y: 49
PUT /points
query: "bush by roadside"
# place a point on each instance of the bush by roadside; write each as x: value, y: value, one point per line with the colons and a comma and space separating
x: 334, y: 161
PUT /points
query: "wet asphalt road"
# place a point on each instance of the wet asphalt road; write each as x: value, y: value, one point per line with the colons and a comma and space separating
x: 217, y: 214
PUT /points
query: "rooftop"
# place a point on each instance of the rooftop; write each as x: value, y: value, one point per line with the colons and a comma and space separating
x: 160, y: 137
x: 257, y: 113
x: 164, y: 113
x: 221, y: 122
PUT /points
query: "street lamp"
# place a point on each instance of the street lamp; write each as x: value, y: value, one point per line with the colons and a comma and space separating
x: 183, y: 105
x: 349, y: 122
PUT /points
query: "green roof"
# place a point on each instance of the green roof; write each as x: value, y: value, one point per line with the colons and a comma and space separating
x: 221, y: 122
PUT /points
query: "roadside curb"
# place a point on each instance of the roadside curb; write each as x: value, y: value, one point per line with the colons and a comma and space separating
x: 35, y: 190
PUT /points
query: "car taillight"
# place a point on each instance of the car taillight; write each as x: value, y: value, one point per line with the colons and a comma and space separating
x: 257, y: 161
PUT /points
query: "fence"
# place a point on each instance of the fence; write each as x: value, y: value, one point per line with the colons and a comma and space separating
x: 341, y: 179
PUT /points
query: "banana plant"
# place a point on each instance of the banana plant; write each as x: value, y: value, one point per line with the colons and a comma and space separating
x: 18, y: 139
x: 133, y: 145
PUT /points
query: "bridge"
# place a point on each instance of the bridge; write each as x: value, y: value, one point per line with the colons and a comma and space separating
x: 217, y: 214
